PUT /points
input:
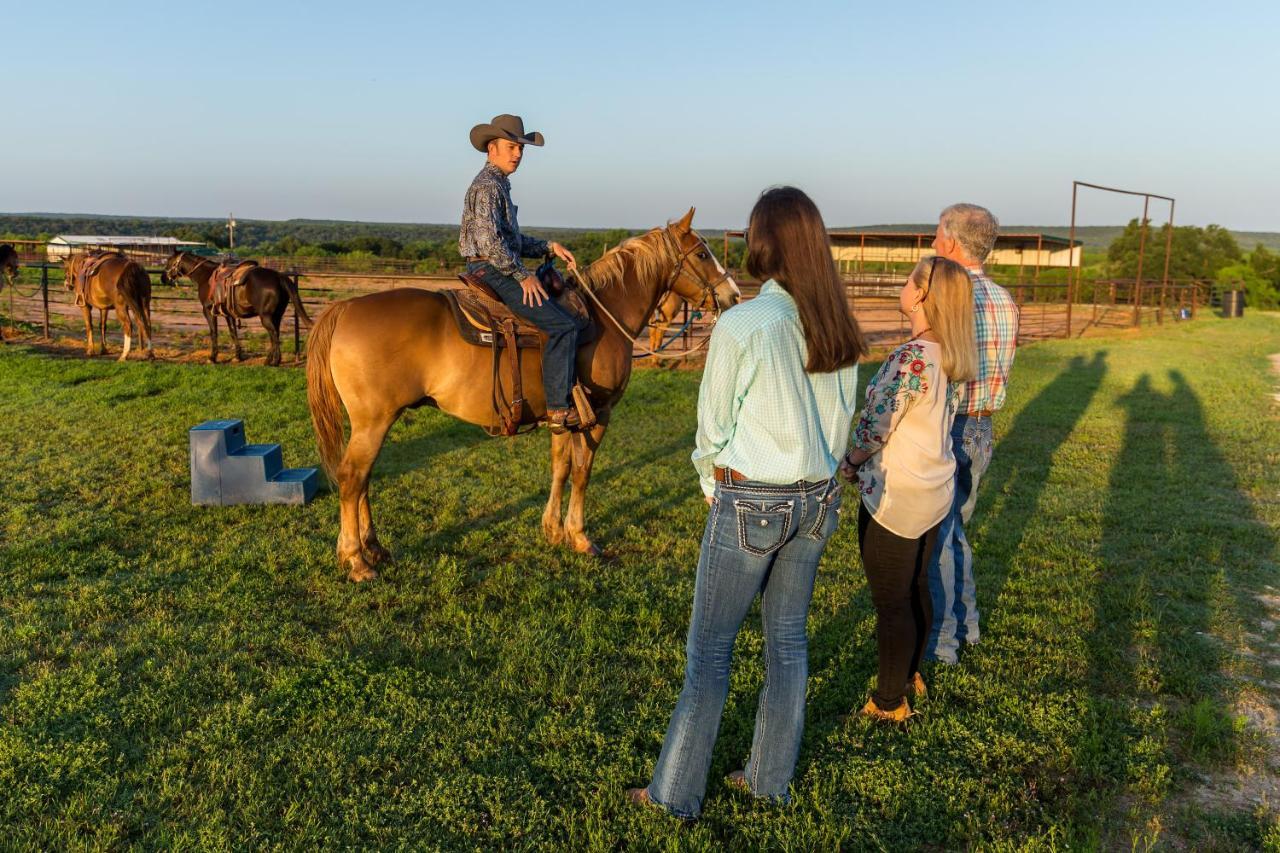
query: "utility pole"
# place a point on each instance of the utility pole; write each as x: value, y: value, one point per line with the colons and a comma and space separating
x: 231, y: 230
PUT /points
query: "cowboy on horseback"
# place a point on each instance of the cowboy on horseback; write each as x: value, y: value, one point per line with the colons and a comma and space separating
x: 491, y: 243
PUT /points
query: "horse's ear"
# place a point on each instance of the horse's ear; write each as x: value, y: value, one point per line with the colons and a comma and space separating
x: 686, y: 222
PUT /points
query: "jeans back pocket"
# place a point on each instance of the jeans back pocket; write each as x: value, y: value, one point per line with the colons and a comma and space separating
x: 762, y: 525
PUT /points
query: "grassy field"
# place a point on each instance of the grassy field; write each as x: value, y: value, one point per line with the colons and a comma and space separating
x: 172, y: 676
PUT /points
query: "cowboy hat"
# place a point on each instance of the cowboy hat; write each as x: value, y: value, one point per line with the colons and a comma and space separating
x: 503, y: 127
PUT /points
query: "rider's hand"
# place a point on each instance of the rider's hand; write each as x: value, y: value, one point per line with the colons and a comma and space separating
x: 709, y: 499
x: 563, y: 254
x: 533, y: 292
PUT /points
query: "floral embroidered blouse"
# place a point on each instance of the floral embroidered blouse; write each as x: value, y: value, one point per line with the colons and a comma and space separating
x: 909, y: 481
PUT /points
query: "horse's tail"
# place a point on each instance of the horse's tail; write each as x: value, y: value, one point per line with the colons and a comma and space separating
x: 297, y: 301
x: 135, y: 287
x: 322, y: 393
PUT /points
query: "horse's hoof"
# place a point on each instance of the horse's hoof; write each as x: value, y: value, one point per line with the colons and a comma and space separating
x: 376, y: 554
x: 555, y: 535
x: 586, y: 546
x: 361, y: 573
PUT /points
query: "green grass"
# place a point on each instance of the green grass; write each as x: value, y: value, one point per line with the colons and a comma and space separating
x: 205, y: 677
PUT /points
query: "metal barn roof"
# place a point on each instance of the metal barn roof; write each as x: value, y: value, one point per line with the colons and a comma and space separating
x: 118, y: 240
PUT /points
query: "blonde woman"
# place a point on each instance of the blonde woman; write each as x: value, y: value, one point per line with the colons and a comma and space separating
x: 905, y: 471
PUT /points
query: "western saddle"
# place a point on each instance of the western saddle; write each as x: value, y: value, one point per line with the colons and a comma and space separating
x: 224, y: 281
x: 484, y: 320
x: 86, y: 266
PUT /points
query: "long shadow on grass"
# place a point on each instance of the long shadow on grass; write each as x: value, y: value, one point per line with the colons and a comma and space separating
x: 1175, y: 526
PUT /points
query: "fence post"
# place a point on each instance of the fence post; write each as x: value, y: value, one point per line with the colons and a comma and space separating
x: 44, y: 295
x: 297, y: 340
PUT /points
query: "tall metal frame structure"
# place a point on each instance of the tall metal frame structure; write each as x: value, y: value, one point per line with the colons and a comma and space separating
x: 1072, y: 290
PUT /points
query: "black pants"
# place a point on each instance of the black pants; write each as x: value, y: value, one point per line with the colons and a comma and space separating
x: 898, y: 577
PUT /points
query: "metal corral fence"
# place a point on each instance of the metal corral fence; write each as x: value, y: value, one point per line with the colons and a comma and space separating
x: 178, y: 321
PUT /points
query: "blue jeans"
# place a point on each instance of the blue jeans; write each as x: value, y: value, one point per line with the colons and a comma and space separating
x: 955, y: 606
x: 561, y: 327
x: 765, y: 539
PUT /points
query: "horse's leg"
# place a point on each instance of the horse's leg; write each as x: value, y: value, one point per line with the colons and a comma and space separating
x: 88, y: 327
x: 212, y: 320
x: 235, y: 335
x: 574, y: 522
x: 123, y: 310
x: 374, y: 552
x: 561, y: 460
x: 102, y: 331
x: 367, y: 435
x: 272, y: 325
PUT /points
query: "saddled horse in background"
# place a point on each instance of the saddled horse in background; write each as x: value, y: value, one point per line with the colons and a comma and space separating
x: 380, y: 354
x: 111, y: 280
x: 263, y: 293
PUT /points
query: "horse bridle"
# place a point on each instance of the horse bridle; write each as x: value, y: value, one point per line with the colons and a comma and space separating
x: 705, y: 285
x: 182, y: 256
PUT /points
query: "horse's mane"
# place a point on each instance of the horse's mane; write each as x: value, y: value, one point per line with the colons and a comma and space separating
x: 644, y: 255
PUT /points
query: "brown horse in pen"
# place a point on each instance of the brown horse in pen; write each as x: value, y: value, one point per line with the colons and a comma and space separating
x: 263, y: 293
x: 110, y: 280
x: 8, y: 264
x: 380, y: 354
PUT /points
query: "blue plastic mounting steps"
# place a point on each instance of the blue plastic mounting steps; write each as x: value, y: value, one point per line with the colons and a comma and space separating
x: 226, y: 471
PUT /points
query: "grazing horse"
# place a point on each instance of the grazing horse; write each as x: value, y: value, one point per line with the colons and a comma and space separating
x: 265, y: 293
x: 118, y: 283
x: 380, y: 354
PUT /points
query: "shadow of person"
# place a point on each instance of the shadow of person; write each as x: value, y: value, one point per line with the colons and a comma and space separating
x: 1179, y: 549
x: 1009, y: 493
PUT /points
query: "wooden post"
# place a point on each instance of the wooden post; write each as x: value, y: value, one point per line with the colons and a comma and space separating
x: 44, y: 295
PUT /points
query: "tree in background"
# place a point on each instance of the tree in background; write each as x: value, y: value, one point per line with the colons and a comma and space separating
x: 1196, y: 253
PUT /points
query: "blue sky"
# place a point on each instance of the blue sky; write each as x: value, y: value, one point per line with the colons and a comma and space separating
x: 883, y: 114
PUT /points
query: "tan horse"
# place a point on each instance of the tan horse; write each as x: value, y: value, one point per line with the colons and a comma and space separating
x: 380, y: 354
x: 117, y: 283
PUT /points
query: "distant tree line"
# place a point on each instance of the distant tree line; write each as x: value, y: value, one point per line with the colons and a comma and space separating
x: 1210, y: 253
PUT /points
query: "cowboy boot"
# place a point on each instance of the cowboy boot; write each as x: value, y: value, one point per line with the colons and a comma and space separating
x: 563, y: 420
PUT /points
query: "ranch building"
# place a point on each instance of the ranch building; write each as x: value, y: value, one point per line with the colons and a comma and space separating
x: 140, y: 248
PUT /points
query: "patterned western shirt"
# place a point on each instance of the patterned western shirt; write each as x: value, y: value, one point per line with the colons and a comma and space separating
x: 758, y: 411
x: 489, y: 227
x: 996, y: 325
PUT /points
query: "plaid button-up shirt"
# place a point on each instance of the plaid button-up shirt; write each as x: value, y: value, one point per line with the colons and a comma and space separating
x: 489, y: 227
x: 996, y: 325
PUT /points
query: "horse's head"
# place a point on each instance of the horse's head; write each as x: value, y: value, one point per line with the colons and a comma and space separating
x: 69, y: 266
x: 698, y: 277
x: 172, y: 269
x: 8, y: 262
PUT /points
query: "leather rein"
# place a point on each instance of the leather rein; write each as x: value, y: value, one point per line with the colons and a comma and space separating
x: 705, y: 285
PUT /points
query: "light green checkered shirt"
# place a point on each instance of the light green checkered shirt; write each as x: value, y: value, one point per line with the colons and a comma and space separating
x: 758, y: 411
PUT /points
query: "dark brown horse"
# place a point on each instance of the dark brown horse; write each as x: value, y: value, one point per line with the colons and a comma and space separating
x: 380, y: 354
x: 118, y: 283
x: 8, y: 264
x: 265, y: 294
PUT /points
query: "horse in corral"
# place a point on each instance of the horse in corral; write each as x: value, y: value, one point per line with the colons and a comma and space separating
x: 260, y: 292
x: 379, y: 354
x: 106, y: 280
x: 662, y: 319
x: 8, y: 264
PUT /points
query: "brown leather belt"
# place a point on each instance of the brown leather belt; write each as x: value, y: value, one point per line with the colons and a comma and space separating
x: 477, y: 259
x: 729, y: 475
x: 985, y: 413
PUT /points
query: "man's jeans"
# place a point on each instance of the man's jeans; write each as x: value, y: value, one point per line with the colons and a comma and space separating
x: 955, y: 607
x: 758, y: 538
x: 562, y: 330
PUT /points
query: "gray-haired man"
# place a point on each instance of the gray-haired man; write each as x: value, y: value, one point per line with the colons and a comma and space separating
x: 966, y: 234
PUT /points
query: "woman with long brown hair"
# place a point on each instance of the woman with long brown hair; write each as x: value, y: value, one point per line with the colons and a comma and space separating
x: 777, y: 399
x: 905, y: 471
